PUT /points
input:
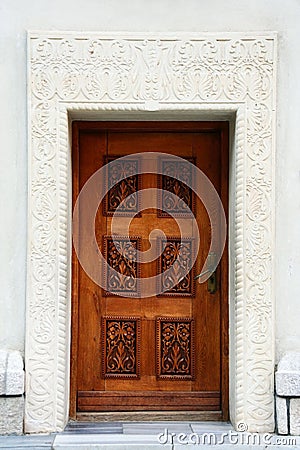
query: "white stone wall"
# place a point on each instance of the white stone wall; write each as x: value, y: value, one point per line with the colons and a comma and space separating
x: 11, y: 392
x: 287, y: 379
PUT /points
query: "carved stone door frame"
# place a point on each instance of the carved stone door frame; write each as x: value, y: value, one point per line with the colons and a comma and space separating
x: 151, y: 77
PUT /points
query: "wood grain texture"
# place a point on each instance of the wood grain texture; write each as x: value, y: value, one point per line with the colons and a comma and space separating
x: 152, y: 416
x: 151, y: 401
x: 205, y: 143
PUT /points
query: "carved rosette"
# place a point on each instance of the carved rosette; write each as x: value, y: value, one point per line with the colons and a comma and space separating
x: 75, y: 72
x: 175, y: 348
x: 120, y: 347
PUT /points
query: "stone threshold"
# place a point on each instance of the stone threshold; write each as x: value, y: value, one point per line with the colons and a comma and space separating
x: 27, y: 442
x: 150, y: 436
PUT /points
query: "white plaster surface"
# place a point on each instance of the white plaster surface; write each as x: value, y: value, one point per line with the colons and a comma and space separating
x: 288, y: 375
x: 11, y: 415
x: 295, y: 416
x: 11, y: 373
x: 281, y: 415
x: 290, y: 362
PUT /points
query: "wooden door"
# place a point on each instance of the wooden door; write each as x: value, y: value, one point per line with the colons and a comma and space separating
x: 167, y: 352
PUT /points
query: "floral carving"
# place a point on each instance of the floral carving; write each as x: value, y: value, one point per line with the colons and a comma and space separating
x: 120, y: 347
x: 175, y: 355
x: 122, y: 184
x: 175, y: 262
x: 122, y: 276
x: 176, y: 175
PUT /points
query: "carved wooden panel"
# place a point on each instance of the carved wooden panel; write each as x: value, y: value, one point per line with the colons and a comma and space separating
x: 120, y: 347
x: 175, y: 348
x: 174, y: 181
x: 121, y: 183
x: 176, y: 259
x: 123, y: 271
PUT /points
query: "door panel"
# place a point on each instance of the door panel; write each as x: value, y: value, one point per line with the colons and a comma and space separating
x: 168, y: 351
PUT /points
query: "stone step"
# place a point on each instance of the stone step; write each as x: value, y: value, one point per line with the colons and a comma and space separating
x: 150, y: 436
x: 38, y: 442
x: 151, y: 442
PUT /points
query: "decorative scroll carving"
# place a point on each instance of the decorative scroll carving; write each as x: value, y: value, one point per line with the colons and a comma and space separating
x: 175, y: 259
x: 176, y: 175
x: 120, y: 348
x: 128, y: 185
x: 121, y: 255
x: 175, y: 348
x: 89, y: 72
